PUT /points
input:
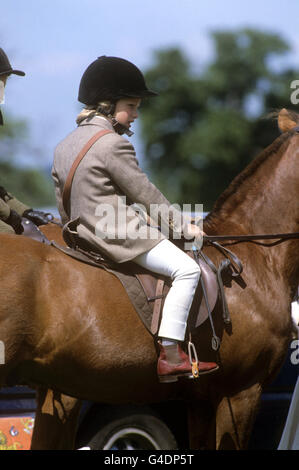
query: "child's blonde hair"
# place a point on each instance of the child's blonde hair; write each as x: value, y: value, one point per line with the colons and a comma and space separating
x: 105, y: 108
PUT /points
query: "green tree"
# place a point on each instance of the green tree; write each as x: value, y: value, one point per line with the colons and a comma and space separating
x: 201, y: 131
x: 32, y: 186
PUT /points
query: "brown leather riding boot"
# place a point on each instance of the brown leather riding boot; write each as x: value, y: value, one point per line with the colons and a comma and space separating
x: 174, y: 363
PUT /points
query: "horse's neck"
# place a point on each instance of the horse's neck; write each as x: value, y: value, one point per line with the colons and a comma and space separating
x: 266, y: 202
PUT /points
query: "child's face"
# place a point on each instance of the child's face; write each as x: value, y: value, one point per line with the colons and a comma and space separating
x: 126, y: 111
x: 3, y: 79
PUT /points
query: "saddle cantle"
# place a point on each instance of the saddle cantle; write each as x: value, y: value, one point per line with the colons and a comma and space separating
x: 32, y: 231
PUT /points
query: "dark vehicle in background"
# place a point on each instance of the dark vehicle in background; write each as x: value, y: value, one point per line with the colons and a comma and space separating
x: 151, y: 427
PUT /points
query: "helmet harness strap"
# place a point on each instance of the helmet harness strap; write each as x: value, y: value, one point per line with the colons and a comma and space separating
x: 118, y: 127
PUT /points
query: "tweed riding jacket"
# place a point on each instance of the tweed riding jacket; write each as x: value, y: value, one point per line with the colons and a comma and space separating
x: 107, y: 182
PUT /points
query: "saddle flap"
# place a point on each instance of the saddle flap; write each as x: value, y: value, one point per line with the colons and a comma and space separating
x: 210, y: 281
x: 152, y: 289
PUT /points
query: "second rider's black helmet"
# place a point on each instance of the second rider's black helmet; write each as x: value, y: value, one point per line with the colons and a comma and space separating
x: 110, y: 79
x: 5, y: 67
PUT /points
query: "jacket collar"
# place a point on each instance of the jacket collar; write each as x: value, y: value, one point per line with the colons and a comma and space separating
x: 97, y: 121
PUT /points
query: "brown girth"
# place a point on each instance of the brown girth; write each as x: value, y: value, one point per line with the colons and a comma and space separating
x: 68, y: 183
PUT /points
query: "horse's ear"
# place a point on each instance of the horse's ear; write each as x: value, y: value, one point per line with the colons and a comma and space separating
x: 286, y: 120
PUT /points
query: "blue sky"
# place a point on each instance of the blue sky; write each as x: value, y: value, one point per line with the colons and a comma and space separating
x: 53, y: 41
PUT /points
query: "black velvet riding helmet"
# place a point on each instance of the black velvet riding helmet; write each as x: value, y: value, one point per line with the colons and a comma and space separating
x: 110, y: 79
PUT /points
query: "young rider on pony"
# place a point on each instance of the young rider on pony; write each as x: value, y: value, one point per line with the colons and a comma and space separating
x: 109, y: 177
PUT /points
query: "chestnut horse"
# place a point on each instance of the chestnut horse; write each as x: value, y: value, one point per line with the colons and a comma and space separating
x: 70, y: 327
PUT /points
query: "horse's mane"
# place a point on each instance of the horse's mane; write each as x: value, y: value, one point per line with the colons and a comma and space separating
x: 246, y: 173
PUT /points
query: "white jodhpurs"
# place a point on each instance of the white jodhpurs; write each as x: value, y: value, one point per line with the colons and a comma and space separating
x: 168, y: 260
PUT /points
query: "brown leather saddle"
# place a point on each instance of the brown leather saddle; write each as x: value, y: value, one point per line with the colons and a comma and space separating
x: 146, y: 290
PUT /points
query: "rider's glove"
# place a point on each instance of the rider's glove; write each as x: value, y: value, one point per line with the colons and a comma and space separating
x: 3, y: 193
x: 37, y: 217
x: 15, y: 220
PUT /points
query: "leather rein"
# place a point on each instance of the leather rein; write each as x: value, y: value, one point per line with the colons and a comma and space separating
x: 231, y: 259
x: 235, y: 239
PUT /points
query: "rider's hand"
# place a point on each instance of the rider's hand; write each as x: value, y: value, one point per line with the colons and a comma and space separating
x: 194, y: 231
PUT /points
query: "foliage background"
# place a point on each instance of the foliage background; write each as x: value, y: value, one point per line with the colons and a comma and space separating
x: 32, y: 185
x: 205, y: 128
x: 220, y: 69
